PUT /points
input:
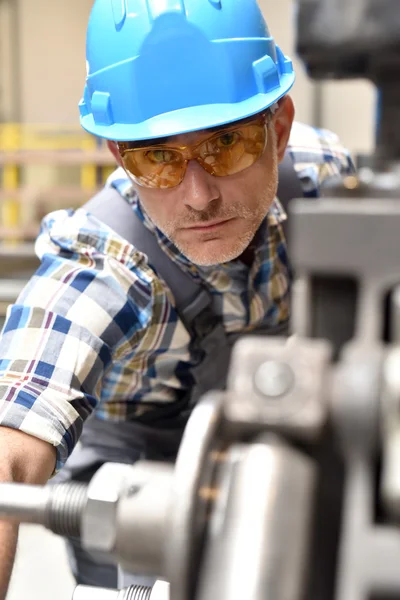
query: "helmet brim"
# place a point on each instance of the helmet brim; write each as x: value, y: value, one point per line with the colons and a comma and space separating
x: 190, y: 119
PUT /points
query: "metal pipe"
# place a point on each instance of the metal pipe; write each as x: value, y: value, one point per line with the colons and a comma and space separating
x: 85, y: 592
x: 160, y: 591
x: 258, y: 539
x: 59, y: 507
x: 24, y: 503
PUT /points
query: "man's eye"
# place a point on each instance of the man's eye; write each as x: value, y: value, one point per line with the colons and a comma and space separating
x: 161, y: 156
x: 228, y: 139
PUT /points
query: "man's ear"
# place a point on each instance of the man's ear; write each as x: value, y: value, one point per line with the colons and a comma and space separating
x: 113, y: 148
x: 282, y: 121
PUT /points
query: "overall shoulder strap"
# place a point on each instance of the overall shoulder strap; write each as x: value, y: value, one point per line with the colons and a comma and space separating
x: 192, y: 299
x: 289, y: 186
x: 110, y: 207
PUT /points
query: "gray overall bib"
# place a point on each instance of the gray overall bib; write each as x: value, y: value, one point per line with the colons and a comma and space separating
x: 159, y: 437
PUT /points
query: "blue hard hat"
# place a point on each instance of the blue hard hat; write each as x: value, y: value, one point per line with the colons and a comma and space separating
x: 157, y: 68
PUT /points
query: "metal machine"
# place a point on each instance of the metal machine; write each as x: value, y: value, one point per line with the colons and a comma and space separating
x: 287, y: 485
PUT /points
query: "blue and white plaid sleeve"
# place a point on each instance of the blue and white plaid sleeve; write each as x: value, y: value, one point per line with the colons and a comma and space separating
x: 67, y: 327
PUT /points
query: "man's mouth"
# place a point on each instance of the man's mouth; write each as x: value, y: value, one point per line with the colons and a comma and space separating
x: 209, y: 225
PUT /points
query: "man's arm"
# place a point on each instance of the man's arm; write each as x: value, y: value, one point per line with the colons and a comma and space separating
x: 23, y: 459
x: 77, y: 313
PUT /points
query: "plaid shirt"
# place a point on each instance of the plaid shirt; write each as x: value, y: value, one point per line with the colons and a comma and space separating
x: 95, y: 328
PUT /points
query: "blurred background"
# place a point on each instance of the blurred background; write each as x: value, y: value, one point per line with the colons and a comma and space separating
x: 47, y: 162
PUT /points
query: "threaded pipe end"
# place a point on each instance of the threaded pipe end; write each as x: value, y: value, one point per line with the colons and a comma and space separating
x: 65, y: 508
x: 138, y: 592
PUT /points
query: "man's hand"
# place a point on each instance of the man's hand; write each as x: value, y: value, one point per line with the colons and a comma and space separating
x: 23, y: 459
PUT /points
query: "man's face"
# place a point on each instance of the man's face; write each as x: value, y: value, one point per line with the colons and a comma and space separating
x: 212, y: 220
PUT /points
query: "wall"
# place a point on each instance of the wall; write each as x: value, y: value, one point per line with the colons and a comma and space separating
x: 52, y: 34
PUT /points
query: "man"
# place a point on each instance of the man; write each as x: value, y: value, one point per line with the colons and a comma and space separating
x: 195, y: 93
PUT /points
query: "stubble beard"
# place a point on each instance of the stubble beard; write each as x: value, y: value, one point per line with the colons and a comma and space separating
x: 213, y: 252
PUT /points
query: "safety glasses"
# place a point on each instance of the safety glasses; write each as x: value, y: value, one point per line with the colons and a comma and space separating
x: 228, y: 151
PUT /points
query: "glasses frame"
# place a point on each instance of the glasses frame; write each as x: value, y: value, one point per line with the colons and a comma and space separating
x: 191, y: 151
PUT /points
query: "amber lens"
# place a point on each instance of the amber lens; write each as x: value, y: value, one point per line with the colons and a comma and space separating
x: 154, y: 167
x: 225, y: 153
x: 234, y: 150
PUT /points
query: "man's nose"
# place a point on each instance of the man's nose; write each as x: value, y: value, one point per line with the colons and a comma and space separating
x: 200, y: 188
